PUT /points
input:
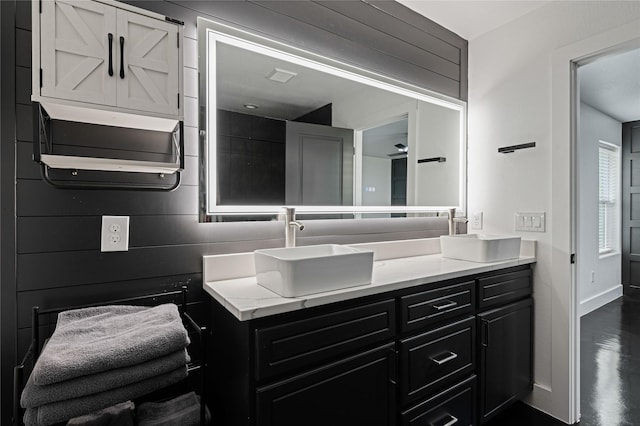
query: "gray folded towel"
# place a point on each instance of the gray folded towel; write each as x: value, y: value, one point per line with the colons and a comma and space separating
x: 91, y: 340
x: 35, y: 396
x: 183, y: 410
x: 64, y: 410
x: 116, y: 415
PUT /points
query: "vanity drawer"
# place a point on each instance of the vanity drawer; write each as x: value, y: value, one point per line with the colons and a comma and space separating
x: 302, y: 343
x: 431, y: 360
x: 430, y: 306
x: 454, y: 406
x: 500, y: 289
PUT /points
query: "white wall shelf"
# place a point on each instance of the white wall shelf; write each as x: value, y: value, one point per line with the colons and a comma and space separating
x: 107, y: 164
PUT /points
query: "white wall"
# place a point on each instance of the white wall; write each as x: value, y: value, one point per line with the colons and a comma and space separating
x: 594, y: 126
x: 518, y: 93
x: 438, y: 135
x: 376, y: 173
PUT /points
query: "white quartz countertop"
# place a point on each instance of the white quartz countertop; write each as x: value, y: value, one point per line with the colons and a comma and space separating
x: 246, y: 300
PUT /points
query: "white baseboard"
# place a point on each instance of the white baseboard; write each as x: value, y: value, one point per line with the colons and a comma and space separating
x: 542, y: 400
x: 600, y: 299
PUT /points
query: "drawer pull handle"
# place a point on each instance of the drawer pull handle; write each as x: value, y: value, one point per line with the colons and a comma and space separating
x: 449, y: 356
x: 485, y: 334
x: 448, y: 304
x: 447, y: 420
x: 121, y: 57
x: 110, y: 55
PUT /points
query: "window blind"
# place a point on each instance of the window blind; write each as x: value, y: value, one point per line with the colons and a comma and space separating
x: 608, y: 208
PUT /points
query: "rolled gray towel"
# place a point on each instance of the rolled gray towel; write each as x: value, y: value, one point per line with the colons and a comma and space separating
x: 183, y: 410
x: 35, y: 396
x: 90, y: 340
x: 116, y: 415
x: 61, y: 411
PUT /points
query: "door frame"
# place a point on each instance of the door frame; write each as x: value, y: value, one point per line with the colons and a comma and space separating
x: 564, y: 395
x: 358, y: 148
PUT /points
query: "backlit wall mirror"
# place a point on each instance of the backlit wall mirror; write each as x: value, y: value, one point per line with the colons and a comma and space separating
x: 285, y: 127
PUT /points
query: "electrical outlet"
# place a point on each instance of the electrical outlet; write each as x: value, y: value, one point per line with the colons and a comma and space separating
x: 476, y: 220
x: 115, y: 233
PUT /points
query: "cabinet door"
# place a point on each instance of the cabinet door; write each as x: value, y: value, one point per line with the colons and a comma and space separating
x: 355, y: 391
x: 505, y: 356
x: 74, y: 51
x: 148, y: 76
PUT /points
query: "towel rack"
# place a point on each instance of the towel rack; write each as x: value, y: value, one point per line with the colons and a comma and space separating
x: 33, y: 352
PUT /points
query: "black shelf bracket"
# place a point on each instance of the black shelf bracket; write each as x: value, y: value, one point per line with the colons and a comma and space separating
x: 43, y: 138
x: 433, y: 160
x: 512, y: 148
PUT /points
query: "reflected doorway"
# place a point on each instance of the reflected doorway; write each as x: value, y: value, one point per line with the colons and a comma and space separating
x: 385, y: 149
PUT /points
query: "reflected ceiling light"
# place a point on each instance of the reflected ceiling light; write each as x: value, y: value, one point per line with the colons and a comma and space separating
x: 281, y: 76
x: 402, y: 147
x: 251, y: 106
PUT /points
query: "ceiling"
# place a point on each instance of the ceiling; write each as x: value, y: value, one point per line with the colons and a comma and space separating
x: 381, y: 141
x: 610, y: 84
x: 471, y: 19
x: 243, y: 78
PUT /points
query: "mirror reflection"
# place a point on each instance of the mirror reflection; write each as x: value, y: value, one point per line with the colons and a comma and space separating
x: 293, y: 131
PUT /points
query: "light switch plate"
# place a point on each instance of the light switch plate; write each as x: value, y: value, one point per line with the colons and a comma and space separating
x: 530, y: 222
x: 115, y: 233
x: 476, y: 220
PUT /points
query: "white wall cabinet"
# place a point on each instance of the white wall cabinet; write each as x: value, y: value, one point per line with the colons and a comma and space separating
x: 107, y: 63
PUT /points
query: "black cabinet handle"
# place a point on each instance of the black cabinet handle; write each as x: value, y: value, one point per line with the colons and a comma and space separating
x: 446, y: 305
x: 447, y: 356
x: 110, y: 55
x: 447, y: 420
x: 121, y: 57
x: 485, y: 334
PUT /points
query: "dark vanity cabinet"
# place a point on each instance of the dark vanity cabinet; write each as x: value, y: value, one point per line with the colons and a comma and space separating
x: 452, y: 352
x: 352, y: 391
x: 506, y: 341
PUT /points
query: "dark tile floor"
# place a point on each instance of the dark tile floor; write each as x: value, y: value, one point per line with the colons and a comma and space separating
x: 610, y: 365
x: 521, y: 414
x: 609, y: 371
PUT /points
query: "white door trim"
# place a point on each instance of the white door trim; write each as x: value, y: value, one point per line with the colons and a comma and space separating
x: 565, y: 339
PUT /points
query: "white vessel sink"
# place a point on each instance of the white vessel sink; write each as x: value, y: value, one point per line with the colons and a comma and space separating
x: 480, y: 248
x: 298, y: 271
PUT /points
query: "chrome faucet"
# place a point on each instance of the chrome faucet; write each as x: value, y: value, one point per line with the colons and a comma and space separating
x: 453, y: 221
x: 290, y: 226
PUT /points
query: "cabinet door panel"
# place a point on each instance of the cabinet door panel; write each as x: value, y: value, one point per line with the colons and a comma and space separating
x: 149, y: 48
x: 505, y: 356
x: 356, y: 391
x: 428, y: 307
x: 299, y: 344
x: 504, y: 288
x: 74, y: 51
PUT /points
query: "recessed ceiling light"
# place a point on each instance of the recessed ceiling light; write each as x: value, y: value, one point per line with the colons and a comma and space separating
x: 281, y: 76
x: 251, y: 106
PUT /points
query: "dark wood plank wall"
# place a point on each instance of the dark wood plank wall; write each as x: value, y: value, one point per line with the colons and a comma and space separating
x: 50, y: 237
